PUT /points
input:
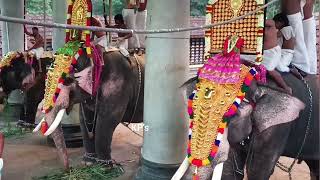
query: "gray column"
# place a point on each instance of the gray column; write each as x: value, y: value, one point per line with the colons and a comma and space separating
x: 59, y: 16
x: 165, y: 107
x: 12, y: 34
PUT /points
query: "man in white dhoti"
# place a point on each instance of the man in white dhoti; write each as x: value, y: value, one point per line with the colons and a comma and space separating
x: 304, y: 27
x: 122, y: 40
x: 100, y: 37
x: 135, y: 15
x: 37, y: 48
x: 272, y: 55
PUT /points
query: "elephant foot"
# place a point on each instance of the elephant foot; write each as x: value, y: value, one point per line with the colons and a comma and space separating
x: 89, y: 159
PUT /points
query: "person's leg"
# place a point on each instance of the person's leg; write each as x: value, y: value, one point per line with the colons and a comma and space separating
x: 310, y: 37
x: 300, y: 58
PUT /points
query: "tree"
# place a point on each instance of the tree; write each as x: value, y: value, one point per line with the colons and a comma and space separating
x: 117, y: 6
x: 198, y: 7
x: 35, y: 7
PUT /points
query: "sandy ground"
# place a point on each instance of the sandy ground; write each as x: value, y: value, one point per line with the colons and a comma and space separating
x: 31, y: 156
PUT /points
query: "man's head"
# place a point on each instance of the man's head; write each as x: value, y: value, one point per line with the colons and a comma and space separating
x: 270, y: 28
x: 118, y: 19
x: 281, y: 20
x: 35, y: 30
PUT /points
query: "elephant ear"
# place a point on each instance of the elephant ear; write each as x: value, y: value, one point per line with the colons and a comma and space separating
x: 274, y: 107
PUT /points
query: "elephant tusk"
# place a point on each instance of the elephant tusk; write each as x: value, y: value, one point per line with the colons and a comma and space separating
x: 37, y: 128
x: 182, y: 170
x: 217, y: 172
x: 56, y: 122
x: 1, y: 167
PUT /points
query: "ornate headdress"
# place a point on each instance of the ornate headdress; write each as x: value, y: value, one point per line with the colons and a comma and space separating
x: 7, y: 59
x: 79, y: 13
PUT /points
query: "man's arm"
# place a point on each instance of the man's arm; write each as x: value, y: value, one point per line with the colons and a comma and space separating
x: 276, y: 76
x: 26, y: 31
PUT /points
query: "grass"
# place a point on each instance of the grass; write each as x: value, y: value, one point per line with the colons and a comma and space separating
x: 96, y: 172
x: 9, y: 117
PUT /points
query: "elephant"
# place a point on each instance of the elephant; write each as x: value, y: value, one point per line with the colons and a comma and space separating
x: 253, y: 124
x: 118, y: 99
x: 17, y: 76
x: 261, y: 151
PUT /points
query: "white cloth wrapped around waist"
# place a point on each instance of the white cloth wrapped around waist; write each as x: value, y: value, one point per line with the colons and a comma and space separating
x: 38, y: 52
x: 271, y: 58
x: 102, y: 41
x: 287, y: 32
x: 285, y: 61
x: 121, y: 44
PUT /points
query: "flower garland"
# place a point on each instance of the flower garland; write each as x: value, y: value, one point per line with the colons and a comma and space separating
x: 59, y: 70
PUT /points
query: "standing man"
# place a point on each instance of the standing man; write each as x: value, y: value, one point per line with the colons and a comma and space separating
x: 299, y: 13
x: 135, y: 12
x: 38, y: 45
x: 141, y: 21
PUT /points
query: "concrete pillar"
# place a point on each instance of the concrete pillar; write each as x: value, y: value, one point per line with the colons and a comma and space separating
x: 165, y: 107
x: 59, y: 16
x: 12, y: 34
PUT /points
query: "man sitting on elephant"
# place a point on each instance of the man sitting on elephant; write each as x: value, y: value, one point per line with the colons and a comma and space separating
x: 37, y: 48
x: 272, y: 55
x: 100, y: 38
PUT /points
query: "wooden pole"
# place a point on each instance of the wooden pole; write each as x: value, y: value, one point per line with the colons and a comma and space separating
x: 110, y: 19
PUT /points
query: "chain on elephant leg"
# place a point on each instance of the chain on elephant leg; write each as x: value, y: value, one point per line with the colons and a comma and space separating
x: 89, y: 159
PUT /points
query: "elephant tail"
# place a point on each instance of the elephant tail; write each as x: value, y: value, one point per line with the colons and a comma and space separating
x: 190, y: 81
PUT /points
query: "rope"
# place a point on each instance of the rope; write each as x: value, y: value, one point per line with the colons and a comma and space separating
x: 136, y: 31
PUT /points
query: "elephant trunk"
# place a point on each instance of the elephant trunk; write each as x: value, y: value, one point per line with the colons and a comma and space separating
x: 53, y: 119
x: 58, y: 138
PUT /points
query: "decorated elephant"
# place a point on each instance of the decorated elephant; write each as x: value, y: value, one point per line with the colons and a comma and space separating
x: 275, y: 130
x: 19, y: 71
x: 118, y: 98
x: 270, y: 124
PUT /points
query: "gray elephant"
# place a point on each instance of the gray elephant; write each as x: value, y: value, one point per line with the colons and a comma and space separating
x: 272, y: 131
x: 119, y: 99
x: 276, y: 123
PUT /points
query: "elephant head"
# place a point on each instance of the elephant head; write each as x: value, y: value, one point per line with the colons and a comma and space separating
x: 15, y: 74
x: 269, y: 107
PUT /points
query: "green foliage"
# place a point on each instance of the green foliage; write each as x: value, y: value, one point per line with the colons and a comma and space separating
x: 198, y: 7
x: 35, y: 7
x: 117, y: 6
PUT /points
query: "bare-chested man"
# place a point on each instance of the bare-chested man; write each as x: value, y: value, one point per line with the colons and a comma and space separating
x: 37, y: 47
x: 272, y: 54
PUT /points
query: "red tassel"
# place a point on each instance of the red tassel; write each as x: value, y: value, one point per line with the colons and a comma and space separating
x: 195, y: 175
x: 44, y: 127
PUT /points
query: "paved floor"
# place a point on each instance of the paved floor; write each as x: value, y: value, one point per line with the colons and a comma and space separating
x: 30, y: 156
